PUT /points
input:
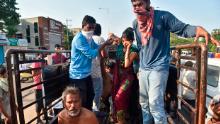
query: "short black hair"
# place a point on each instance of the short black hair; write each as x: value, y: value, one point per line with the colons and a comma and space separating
x: 128, y: 34
x: 57, y: 45
x: 2, y: 70
x: 88, y: 20
x: 98, y: 29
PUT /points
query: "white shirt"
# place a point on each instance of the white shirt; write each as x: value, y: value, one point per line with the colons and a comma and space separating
x: 188, y: 77
x: 96, y: 68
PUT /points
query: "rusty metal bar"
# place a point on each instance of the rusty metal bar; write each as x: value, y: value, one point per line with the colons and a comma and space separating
x: 192, y: 89
x: 11, y: 89
x: 182, y: 117
x: 188, y: 57
x: 30, y: 61
x: 18, y: 87
x: 188, y: 68
x: 35, y: 118
x: 14, y: 80
x: 197, y: 65
x: 187, y: 104
x: 203, y: 85
x: 28, y: 87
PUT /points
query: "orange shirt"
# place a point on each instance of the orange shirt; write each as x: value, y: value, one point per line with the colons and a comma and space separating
x: 85, y: 117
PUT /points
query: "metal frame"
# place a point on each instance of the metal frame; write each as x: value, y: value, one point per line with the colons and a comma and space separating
x: 200, y: 59
x: 16, y: 100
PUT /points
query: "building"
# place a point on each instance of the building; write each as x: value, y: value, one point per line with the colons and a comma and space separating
x: 41, y: 31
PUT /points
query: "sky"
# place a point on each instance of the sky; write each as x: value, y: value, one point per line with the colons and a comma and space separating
x: 116, y: 15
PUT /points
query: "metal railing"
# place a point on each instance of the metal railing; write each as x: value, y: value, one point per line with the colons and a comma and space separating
x: 199, y: 57
x: 14, y: 58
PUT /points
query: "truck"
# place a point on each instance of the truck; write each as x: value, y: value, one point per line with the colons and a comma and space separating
x: 22, y: 105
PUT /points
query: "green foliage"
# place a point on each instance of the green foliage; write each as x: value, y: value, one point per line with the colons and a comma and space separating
x: 9, y: 16
x: 67, y: 42
x: 175, y: 40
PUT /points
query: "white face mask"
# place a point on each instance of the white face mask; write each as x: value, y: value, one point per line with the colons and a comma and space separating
x: 88, y: 34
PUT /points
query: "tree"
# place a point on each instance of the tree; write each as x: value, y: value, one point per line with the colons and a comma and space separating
x: 9, y: 16
x: 67, y: 40
x: 175, y: 40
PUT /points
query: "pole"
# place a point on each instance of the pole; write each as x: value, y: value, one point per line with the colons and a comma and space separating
x: 67, y: 32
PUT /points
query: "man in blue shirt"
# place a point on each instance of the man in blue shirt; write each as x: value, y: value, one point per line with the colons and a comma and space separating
x: 83, y: 50
x: 152, y: 29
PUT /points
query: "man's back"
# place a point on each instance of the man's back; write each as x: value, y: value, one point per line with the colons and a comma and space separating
x: 85, y: 117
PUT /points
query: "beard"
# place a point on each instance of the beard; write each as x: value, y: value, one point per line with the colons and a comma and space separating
x: 74, y: 113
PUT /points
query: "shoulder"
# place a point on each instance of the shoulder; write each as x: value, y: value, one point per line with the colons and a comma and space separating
x: 62, y: 114
x: 79, y: 38
x: 164, y: 15
x: 134, y: 49
x: 98, y: 39
x: 89, y: 114
x: 161, y: 12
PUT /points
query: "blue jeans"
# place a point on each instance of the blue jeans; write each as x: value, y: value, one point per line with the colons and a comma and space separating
x: 98, y: 86
x: 152, y: 90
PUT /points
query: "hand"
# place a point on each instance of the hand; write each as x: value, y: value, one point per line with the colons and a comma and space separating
x: 8, y: 120
x: 127, y: 44
x: 201, y: 32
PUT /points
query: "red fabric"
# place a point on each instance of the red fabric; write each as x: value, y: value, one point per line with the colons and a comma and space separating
x: 145, y: 23
x: 122, y: 84
x: 37, y: 78
x: 58, y: 58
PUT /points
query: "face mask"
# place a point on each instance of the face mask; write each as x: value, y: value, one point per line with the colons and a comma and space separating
x: 87, y: 34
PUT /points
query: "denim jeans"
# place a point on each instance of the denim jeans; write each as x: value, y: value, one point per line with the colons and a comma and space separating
x: 98, y: 86
x: 152, y: 90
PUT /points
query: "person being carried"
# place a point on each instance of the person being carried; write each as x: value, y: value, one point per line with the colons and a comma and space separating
x: 73, y: 112
x: 4, y: 96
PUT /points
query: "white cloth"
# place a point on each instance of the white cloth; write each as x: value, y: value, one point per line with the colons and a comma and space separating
x: 4, y: 95
x: 188, y: 77
x: 4, y: 84
x: 96, y: 68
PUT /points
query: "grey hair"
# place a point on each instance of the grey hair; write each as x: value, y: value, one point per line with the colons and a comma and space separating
x: 70, y: 90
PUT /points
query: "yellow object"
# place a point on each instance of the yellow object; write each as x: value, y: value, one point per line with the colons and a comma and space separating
x: 26, y: 75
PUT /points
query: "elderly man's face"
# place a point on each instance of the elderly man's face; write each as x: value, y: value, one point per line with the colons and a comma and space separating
x: 73, y: 104
x: 141, y: 4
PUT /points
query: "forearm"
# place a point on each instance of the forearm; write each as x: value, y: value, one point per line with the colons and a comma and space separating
x: 127, y: 58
